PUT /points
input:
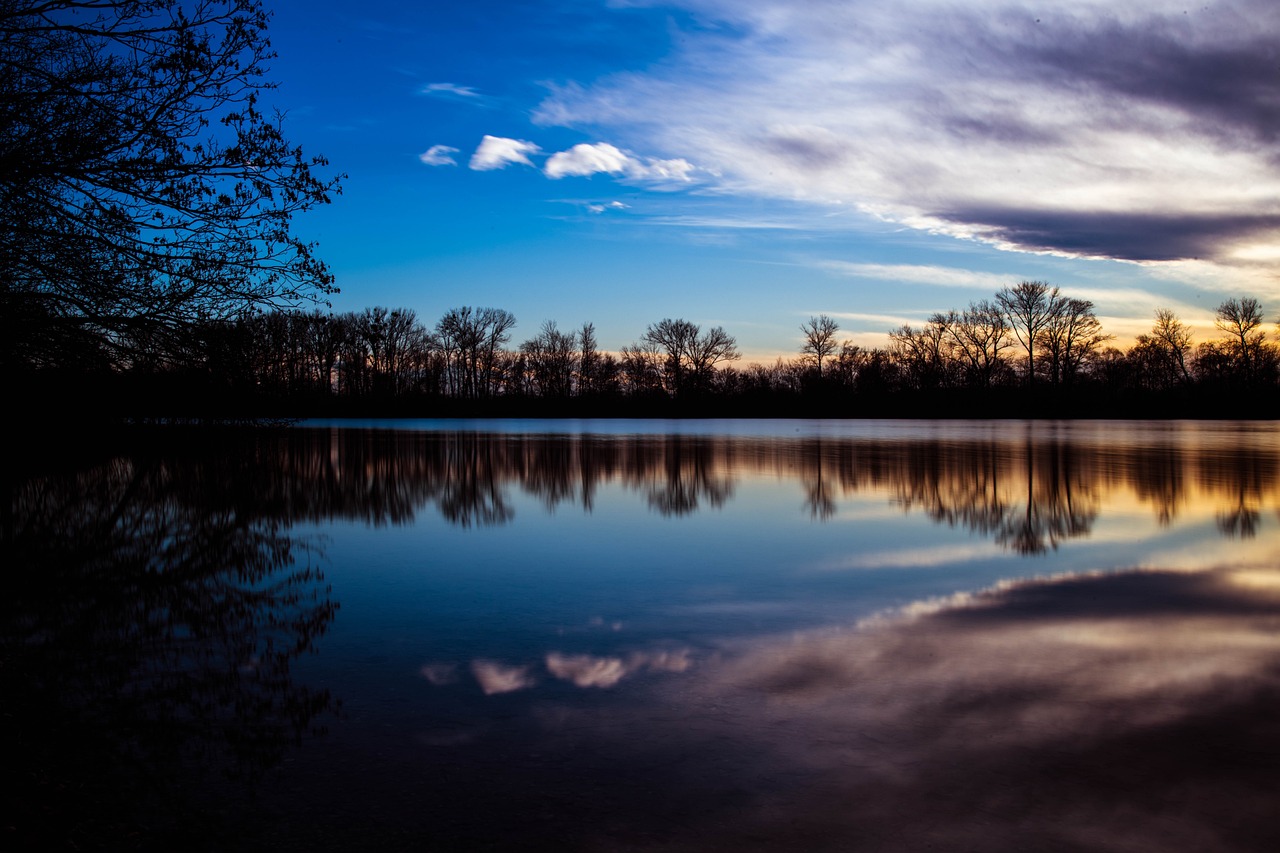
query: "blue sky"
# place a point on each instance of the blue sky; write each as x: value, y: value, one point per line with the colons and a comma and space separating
x: 749, y: 163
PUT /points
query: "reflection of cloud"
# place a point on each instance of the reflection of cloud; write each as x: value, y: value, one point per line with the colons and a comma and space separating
x: 586, y: 670
x: 439, y: 674
x: 499, y: 678
x: 914, y: 558
x: 591, y: 671
x: 1093, y: 707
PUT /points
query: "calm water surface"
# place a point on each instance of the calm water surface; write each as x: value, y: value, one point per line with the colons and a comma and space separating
x: 650, y: 635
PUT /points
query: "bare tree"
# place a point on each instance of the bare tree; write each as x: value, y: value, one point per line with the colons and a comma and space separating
x: 708, y: 349
x: 924, y: 355
x: 551, y: 360
x: 1173, y: 338
x: 588, y: 360
x: 819, y: 339
x: 472, y: 340
x: 1071, y: 336
x: 689, y: 354
x: 641, y: 368
x: 671, y: 338
x: 1241, y: 320
x: 979, y: 336
x: 1029, y: 306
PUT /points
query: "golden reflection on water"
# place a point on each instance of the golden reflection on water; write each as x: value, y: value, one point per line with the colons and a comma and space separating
x: 1027, y: 489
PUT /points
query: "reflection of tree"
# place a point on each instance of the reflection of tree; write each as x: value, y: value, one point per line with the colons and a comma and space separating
x: 470, y: 492
x: 146, y: 637
x: 818, y: 499
x: 1246, y: 476
x: 1030, y: 492
x: 1060, y: 503
x: 689, y: 476
x: 1159, y: 476
x: 1029, y: 497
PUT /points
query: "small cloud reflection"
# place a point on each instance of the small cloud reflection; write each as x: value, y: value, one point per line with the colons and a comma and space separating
x: 914, y: 558
x: 440, y: 674
x: 592, y: 671
x: 586, y: 670
x: 495, y: 678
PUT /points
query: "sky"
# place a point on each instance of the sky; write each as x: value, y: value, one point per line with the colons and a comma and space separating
x: 752, y: 163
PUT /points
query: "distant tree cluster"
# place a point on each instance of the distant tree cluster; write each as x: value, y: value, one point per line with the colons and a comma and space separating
x: 380, y: 354
x: 1030, y: 350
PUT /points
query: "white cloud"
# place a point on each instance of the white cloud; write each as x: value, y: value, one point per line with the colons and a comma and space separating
x: 439, y: 155
x: 497, y: 152
x: 601, y: 208
x: 587, y: 159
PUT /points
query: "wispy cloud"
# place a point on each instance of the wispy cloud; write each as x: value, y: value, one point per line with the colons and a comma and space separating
x: 439, y: 155
x: 498, y: 152
x: 449, y: 90
x: 601, y: 208
x: 920, y: 274
x: 1131, y: 129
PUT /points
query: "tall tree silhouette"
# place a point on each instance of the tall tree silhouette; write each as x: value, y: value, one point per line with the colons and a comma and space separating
x: 145, y: 185
x: 1029, y: 306
x: 819, y: 339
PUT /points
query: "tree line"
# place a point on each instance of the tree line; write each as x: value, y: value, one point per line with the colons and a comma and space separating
x: 1029, y: 350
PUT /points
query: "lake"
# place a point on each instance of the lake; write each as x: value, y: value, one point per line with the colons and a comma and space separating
x: 649, y: 636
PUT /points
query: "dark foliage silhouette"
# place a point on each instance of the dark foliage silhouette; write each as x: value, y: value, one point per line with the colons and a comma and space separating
x: 146, y: 185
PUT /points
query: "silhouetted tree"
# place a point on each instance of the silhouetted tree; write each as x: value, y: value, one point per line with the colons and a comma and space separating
x: 1071, y: 336
x: 551, y: 360
x: 1029, y: 306
x: 923, y: 355
x: 471, y: 340
x: 979, y: 336
x: 1171, y: 338
x: 689, y: 354
x: 1240, y: 320
x: 589, y: 360
x: 144, y: 186
x: 819, y: 339
x: 640, y: 368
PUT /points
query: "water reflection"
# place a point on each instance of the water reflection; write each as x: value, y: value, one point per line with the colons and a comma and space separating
x: 153, y: 609
x: 1122, y: 712
x: 1028, y: 492
x: 645, y: 642
x: 1132, y: 711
